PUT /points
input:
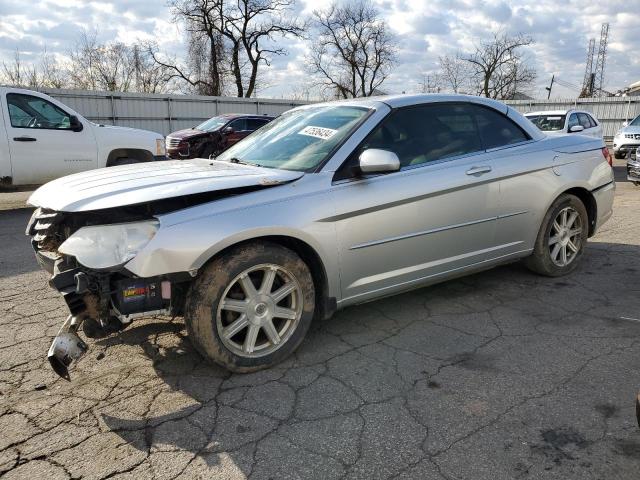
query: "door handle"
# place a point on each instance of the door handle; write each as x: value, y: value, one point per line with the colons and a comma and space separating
x: 24, y: 139
x: 477, y: 171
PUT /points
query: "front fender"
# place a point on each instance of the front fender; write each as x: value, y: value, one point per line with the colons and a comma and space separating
x: 187, y: 246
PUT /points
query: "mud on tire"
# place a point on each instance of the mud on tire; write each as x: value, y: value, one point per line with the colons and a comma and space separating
x: 222, y: 280
x: 541, y: 260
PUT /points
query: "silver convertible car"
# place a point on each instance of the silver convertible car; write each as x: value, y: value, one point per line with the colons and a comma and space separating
x: 329, y: 205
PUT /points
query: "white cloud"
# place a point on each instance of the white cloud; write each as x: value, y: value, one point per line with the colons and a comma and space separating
x: 424, y: 29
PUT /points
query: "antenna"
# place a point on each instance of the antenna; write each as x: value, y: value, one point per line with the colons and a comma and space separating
x: 602, y: 55
x: 587, y: 83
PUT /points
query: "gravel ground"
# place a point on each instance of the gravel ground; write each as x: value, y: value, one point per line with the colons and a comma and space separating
x: 500, y: 375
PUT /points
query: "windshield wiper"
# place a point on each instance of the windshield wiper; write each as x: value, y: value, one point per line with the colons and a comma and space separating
x: 242, y: 162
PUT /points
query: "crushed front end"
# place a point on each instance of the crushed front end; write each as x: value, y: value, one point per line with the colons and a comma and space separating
x: 102, y: 296
x: 633, y: 166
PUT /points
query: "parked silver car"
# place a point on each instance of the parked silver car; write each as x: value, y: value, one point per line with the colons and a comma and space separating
x: 553, y: 122
x: 627, y: 139
x: 329, y: 205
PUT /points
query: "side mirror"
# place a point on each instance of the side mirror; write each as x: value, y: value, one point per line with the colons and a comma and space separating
x: 576, y: 129
x: 228, y: 131
x: 625, y: 124
x: 74, y: 124
x: 374, y: 160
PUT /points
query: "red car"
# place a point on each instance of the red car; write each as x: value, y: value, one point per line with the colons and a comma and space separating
x: 213, y: 136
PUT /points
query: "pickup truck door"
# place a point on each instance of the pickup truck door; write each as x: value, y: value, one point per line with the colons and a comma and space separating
x: 42, y: 144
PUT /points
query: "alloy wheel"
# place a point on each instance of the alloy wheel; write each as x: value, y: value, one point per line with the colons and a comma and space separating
x: 565, y: 237
x: 260, y: 309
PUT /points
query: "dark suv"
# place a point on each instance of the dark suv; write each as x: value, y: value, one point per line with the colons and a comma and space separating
x: 213, y: 136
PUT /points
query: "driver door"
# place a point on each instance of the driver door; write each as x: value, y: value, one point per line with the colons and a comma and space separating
x: 42, y: 145
x: 239, y: 132
x: 434, y: 217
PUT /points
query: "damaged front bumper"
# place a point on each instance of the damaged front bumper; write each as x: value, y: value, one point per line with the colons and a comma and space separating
x: 633, y: 167
x: 66, y: 347
x: 101, y: 302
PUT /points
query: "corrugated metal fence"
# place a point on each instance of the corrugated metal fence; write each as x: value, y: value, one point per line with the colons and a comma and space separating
x: 167, y: 113
x: 159, y: 112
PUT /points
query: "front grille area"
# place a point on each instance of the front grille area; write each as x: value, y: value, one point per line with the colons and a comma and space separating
x: 44, y: 231
x: 632, y: 136
x: 171, y: 142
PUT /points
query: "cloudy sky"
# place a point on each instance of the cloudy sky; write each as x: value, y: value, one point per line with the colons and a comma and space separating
x: 424, y: 29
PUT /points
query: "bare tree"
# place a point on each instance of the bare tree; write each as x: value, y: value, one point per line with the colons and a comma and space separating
x: 431, y: 83
x: 229, y: 40
x: 456, y: 72
x: 19, y: 74
x: 251, y: 27
x: 204, y: 70
x: 352, y: 53
x: 499, y: 66
x: 96, y: 66
x: 52, y: 74
x: 149, y: 76
x: 47, y: 72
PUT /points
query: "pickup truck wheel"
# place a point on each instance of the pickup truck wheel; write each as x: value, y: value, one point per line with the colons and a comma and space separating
x: 618, y: 155
x: 561, y: 239
x: 251, y: 307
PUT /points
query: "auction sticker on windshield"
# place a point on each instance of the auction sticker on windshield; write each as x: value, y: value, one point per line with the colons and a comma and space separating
x: 318, y: 132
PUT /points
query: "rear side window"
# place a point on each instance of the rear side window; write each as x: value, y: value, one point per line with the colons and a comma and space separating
x: 584, y: 120
x: 497, y: 130
x: 592, y: 120
x: 255, y: 123
x: 239, y: 125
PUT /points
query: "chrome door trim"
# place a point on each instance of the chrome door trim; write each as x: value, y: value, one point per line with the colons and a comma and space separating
x: 433, y: 230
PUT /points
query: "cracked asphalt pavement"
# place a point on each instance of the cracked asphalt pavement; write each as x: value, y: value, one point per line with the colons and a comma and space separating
x: 499, y: 375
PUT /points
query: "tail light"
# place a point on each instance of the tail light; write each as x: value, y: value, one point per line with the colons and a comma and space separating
x: 607, y: 156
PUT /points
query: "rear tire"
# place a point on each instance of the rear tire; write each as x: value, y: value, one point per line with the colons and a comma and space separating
x: 251, y: 307
x: 561, y: 239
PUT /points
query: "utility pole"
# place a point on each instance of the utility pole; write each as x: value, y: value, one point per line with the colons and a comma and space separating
x: 548, y: 89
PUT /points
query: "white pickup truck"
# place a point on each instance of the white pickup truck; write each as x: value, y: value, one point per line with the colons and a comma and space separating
x: 42, y: 139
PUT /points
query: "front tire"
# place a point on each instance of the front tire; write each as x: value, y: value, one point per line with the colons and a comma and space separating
x: 561, y: 239
x: 618, y: 155
x: 251, y: 307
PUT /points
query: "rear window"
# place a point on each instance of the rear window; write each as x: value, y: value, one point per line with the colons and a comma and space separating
x: 548, y: 123
x: 497, y: 130
x: 584, y: 120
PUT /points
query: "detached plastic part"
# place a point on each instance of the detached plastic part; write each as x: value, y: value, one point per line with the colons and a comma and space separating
x: 66, y: 347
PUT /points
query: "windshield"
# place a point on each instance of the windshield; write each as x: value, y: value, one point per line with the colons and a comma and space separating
x: 212, y: 124
x: 548, y: 123
x: 635, y: 122
x: 298, y: 140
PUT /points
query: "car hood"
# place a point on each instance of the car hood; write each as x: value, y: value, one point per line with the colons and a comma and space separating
x: 146, y: 182
x: 118, y: 130
x: 630, y: 129
x: 187, y: 133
